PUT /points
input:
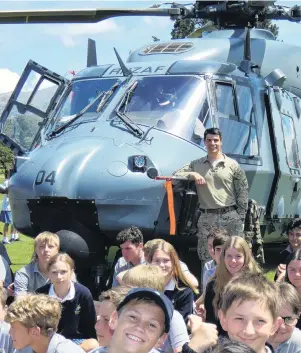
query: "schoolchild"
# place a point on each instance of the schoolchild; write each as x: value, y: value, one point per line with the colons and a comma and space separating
x: 235, y: 258
x: 150, y: 276
x: 34, y: 320
x: 130, y: 241
x: 141, y: 321
x: 154, y: 242
x: 6, y: 344
x: 294, y: 242
x: 293, y: 274
x: 177, y: 287
x: 249, y: 310
x: 218, y: 236
x: 35, y: 275
x: 287, y: 339
x: 78, y: 311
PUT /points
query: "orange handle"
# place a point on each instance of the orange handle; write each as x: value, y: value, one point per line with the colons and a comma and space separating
x: 171, y: 209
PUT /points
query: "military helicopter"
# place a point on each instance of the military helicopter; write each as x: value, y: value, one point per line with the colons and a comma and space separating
x: 87, y: 167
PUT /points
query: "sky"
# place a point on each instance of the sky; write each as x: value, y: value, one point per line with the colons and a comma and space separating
x: 63, y: 47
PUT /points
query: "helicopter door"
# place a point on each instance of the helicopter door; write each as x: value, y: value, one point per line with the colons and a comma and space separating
x: 34, y: 98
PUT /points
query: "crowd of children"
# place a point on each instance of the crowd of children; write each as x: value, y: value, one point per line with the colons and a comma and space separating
x: 154, y: 304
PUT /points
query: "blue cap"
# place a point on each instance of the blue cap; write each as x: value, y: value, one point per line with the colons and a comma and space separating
x: 158, y: 297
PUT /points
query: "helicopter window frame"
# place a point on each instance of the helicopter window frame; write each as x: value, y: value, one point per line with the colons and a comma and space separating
x: 251, y: 158
x: 55, y: 118
x: 295, y: 154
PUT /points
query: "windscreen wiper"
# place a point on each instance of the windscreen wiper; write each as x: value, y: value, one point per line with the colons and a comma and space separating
x: 106, y: 94
x: 122, y: 115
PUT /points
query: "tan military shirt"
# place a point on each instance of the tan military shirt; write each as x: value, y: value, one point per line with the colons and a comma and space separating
x: 226, y: 183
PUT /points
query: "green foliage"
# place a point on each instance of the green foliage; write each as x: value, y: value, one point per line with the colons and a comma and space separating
x: 22, y: 128
x: 182, y: 28
x: 267, y: 24
x: 6, y: 158
x: 185, y: 28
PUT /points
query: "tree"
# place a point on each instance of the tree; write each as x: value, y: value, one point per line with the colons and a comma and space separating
x: 267, y: 24
x: 183, y: 28
x: 6, y: 158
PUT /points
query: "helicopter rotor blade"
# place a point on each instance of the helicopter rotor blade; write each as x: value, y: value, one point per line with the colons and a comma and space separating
x: 80, y: 16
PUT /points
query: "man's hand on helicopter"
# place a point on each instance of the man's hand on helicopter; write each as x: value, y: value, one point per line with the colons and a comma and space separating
x: 197, y: 178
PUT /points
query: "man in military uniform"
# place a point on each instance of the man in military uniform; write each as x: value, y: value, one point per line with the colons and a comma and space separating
x: 222, y: 189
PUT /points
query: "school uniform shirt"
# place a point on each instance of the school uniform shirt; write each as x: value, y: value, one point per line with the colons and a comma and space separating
x: 6, y: 343
x: 182, y: 298
x: 208, y: 273
x: 177, y: 334
x: 28, y: 279
x: 123, y: 265
x: 292, y: 345
x: 210, y: 312
x: 78, y: 311
x: 103, y: 349
x: 5, y: 272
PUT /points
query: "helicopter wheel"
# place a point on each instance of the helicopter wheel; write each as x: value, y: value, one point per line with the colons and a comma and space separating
x: 88, y: 253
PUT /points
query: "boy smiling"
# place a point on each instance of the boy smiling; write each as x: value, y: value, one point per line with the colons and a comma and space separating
x: 250, y: 310
x: 141, y: 321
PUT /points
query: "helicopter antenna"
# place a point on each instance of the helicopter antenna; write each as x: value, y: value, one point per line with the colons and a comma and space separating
x: 126, y: 72
x: 91, y: 53
x: 247, y: 44
x: 246, y: 64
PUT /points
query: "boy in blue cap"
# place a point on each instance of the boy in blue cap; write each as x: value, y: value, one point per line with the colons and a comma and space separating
x: 141, y: 321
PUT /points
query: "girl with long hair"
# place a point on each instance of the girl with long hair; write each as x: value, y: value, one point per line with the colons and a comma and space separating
x: 78, y: 311
x: 293, y: 274
x: 178, y: 288
x: 235, y: 257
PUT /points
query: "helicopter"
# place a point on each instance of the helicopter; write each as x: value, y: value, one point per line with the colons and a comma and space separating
x: 95, y: 149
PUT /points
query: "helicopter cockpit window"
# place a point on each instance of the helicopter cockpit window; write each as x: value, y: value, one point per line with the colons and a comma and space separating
x: 225, y: 99
x: 239, y: 133
x: 245, y: 103
x: 176, y: 104
x: 80, y: 95
x: 290, y: 141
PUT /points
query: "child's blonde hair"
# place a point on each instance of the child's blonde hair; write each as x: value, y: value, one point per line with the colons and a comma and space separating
x: 222, y: 275
x: 36, y: 310
x: 45, y: 238
x: 115, y: 295
x: 251, y: 286
x: 145, y: 276
x: 177, y: 272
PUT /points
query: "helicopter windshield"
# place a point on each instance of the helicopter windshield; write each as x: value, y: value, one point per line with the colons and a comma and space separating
x: 81, y: 94
x: 177, y: 104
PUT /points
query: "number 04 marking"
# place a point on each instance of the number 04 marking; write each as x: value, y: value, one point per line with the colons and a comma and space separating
x: 40, y: 178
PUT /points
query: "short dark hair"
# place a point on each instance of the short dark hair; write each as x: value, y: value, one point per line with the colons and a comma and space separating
x: 132, y: 234
x: 225, y: 345
x: 296, y: 224
x: 220, y: 238
x: 212, y: 131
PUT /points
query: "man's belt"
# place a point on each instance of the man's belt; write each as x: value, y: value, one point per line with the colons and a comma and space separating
x: 218, y: 210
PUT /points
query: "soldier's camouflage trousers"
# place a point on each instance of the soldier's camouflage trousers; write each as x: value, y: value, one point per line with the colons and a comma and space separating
x: 231, y: 221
